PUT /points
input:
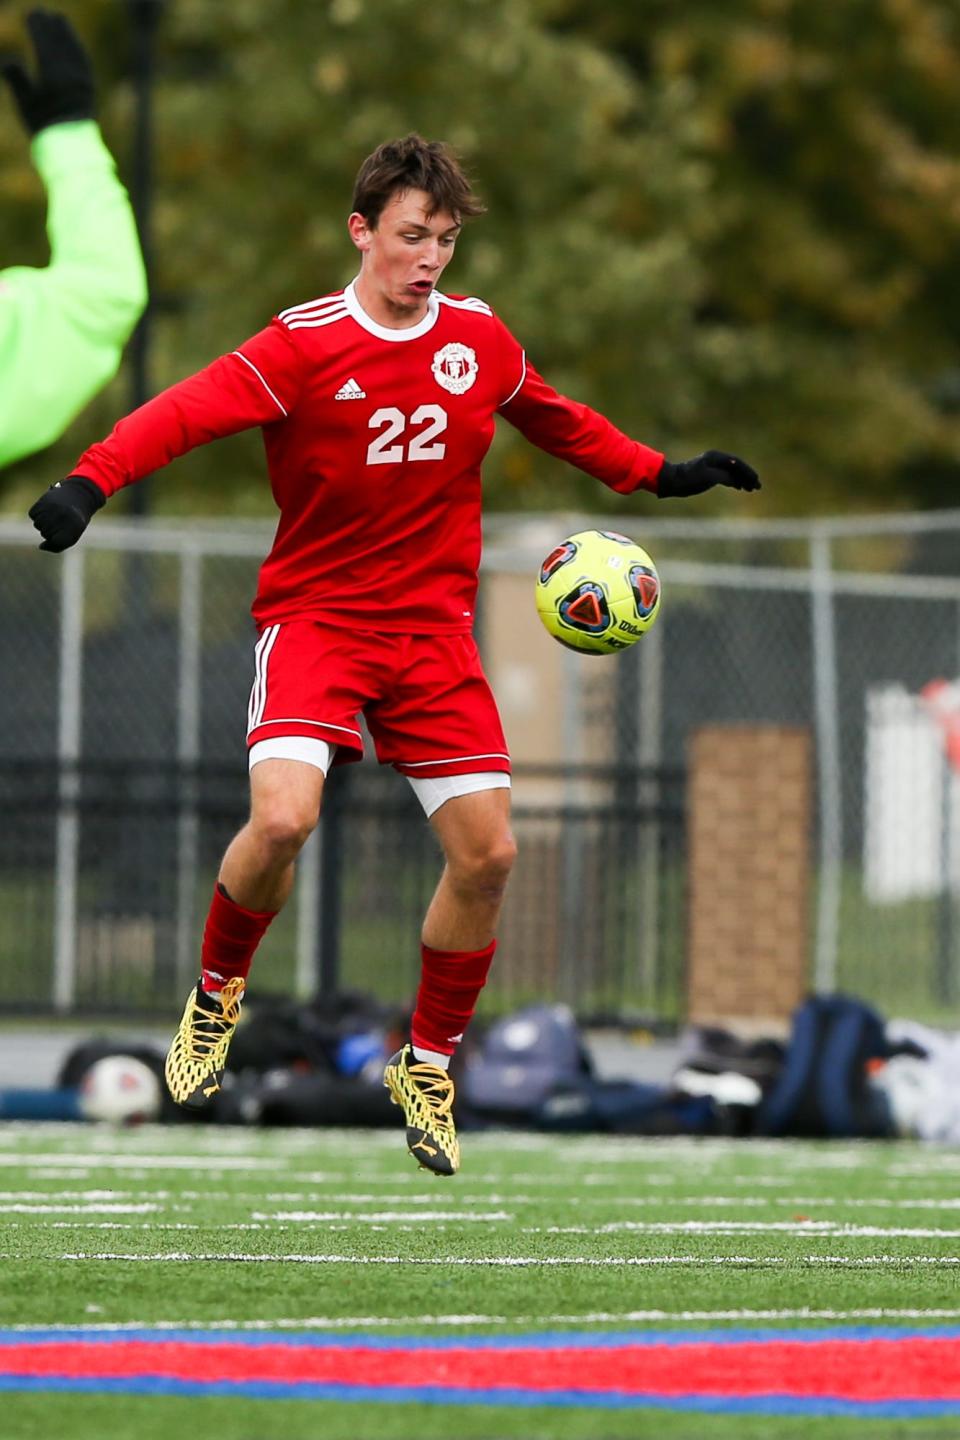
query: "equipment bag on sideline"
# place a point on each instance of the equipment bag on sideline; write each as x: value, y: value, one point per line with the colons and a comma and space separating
x: 823, y: 1089
x: 522, y: 1060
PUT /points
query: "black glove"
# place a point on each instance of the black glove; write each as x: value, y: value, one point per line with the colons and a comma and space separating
x: 713, y: 467
x: 65, y: 510
x: 63, y: 88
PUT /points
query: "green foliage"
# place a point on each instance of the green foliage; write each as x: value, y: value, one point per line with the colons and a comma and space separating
x: 728, y: 225
x: 830, y: 322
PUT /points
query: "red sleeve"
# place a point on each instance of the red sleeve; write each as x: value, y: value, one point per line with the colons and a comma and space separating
x: 570, y: 430
x: 257, y: 384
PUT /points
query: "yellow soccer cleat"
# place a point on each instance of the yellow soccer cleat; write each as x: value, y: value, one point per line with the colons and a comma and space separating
x: 425, y: 1094
x: 198, y: 1055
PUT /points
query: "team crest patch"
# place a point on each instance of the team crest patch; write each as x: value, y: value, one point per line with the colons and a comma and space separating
x: 455, y: 367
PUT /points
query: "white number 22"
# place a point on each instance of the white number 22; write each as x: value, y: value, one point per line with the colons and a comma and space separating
x: 423, y: 444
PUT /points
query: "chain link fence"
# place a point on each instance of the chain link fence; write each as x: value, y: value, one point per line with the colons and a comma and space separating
x: 127, y: 664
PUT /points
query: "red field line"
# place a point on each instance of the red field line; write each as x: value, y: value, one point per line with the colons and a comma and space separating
x: 914, y: 1368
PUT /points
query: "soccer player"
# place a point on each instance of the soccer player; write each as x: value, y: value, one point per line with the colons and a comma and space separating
x: 377, y: 404
x: 63, y: 327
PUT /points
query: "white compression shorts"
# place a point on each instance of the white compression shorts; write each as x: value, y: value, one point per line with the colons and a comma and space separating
x: 432, y: 791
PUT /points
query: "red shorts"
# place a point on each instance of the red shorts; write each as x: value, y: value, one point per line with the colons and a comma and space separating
x: 425, y: 698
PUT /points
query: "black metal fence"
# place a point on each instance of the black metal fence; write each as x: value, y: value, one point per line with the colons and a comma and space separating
x: 139, y: 644
x: 106, y: 868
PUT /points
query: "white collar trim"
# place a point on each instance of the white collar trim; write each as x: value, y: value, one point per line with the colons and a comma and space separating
x: 385, y: 332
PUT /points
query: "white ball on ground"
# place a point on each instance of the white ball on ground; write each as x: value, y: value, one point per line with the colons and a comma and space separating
x: 121, y: 1090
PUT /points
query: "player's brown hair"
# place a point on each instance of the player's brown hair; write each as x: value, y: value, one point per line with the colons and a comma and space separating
x: 414, y: 164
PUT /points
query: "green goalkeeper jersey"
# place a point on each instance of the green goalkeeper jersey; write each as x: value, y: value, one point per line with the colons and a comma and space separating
x: 63, y: 328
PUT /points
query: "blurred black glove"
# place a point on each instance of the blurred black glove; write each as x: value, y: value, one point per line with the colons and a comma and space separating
x: 63, y: 87
x: 713, y: 467
x: 65, y: 510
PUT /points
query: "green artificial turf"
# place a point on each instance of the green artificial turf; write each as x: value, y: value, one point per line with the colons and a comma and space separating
x: 338, y: 1232
x: 138, y: 1418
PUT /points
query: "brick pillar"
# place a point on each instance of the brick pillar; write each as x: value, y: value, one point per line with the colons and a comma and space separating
x: 749, y: 874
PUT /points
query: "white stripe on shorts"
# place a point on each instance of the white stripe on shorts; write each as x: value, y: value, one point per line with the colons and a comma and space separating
x: 320, y: 724
x: 258, y: 693
x: 449, y: 760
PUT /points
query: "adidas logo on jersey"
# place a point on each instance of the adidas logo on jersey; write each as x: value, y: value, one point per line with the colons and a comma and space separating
x: 350, y: 390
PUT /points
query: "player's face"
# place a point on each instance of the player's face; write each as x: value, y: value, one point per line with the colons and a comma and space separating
x: 402, y: 258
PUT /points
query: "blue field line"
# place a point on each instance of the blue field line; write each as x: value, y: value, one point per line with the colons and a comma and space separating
x: 538, y: 1340
x: 441, y: 1395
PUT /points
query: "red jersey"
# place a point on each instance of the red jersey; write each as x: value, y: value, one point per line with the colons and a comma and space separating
x: 374, y: 439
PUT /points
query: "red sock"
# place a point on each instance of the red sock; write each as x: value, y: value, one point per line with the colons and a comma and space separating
x: 230, y: 937
x: 450, y: 982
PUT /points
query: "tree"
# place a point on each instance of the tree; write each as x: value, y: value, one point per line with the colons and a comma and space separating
x: 829, y: 323
x: 731, y: 225
x: 588, y: 251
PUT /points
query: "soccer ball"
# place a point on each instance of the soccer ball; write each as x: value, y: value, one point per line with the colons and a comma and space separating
x: 598, y: 592
x: 120, y: 1089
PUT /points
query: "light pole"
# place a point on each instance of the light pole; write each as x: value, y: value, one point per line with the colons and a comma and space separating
x: 145, y: 18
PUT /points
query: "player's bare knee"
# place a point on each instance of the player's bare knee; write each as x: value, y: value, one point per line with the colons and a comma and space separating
x: 486, y: 871
x: 284, y: 832
x: 502, y: 859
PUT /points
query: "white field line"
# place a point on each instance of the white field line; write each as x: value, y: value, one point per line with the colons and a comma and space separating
x: 932, y: 1162
x: 153, y: 1225
x: 504, y: 1261
x: 144, y: 1201
x: 668, y: 1148
x: 292, y: 1143
x: 404, y: 1227
x: 208, y: 1163
x: 181, y: 1199
x: 878, y: 1202
x: 52, y: 1167
x: 540, y: 1320
x: 402, y: 1223
x: 87, y: 1195
x: 281, y: 1220
x: 300, y: 1138
x: 219, y: 1141
x: 383, y: 1216
x: 611, y: 1183
x: 94, y: 1208
x: 666, y: 1202
x: 814, y: 1228
x: 745, y: 1202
